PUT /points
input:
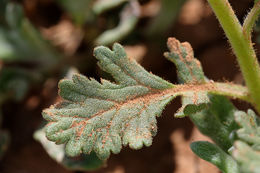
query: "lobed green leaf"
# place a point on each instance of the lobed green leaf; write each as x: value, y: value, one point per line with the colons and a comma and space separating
x: 103, y: 117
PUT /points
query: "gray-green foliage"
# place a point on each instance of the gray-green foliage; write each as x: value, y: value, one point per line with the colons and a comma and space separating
x: 214, y: 118
x: 19, y: 40
x: 189, y: 71
x: 232, y: 131
x: 247, y: 148
x: 240, y: 136
x: 20, y: 43
x: 103, y: 117
x: 217, y: 121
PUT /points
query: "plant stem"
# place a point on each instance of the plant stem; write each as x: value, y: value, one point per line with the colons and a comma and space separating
x: 250, y: 20
x: 242, y: 47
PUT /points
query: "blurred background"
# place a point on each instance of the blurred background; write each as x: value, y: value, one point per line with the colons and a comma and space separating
x: 44, y: 41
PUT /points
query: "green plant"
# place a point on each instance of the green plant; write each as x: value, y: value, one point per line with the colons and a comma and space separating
x: 27, y: 60
x: 103, y: 117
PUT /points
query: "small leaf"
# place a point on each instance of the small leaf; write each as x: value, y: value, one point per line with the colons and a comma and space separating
x: 250, y: 131
x: 247, y: 149
x: 215, y: 155
x: 189, y: 71
x: 20, y: 41
x: 247, y: 157
x: 216, y: 122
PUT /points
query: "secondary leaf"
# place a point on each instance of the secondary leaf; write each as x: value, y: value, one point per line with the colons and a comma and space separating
x: 250, y: 131
x: 102, y: 117
x: 247, y: 157
x: 247, y: 150
x: 215, y: 155
x: 217, y: 121
x: 189, y: 71
x: 19, y: 39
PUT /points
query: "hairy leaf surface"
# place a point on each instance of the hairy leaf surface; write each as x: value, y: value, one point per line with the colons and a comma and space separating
x: 189, y: 71
x: 103, y: 117
x: 247, y: 149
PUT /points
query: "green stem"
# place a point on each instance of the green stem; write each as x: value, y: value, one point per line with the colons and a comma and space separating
x: 250, y: 20
x: 242, y: 47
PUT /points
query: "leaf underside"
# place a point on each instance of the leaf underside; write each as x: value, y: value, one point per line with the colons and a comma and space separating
x: 103, y: 117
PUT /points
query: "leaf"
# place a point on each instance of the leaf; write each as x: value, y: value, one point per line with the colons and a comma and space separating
x: 247, y: 157
x: 247, y: 149
x: 20, y: 41
x: 217, y: 121
x: 215, y: 155
x: 250, y: 131
x: 189, y: 71
x: 101, y: 117
x: 128, y: 20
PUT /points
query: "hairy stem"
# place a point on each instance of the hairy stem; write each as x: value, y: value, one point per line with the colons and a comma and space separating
x: 242, y: 47
x: 225, y: 89
x: 250, y: 20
